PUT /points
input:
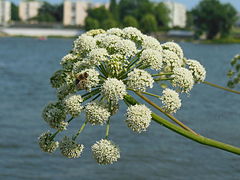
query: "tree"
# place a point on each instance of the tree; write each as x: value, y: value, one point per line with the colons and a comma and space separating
x: 213, y: 18
x: 100, y: 14
x: 114, y: 9
x: 91, y: 23
x: 135, y: 8
x: 130, y: 21
x: 14, y: 12
x: 109, y: 23
x: 148, y: 23
x: 161, y: 13
x: 50, y: 13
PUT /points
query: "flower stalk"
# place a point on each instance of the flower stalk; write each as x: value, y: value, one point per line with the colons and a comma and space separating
x: 198, y: 138
x: 220, y: 87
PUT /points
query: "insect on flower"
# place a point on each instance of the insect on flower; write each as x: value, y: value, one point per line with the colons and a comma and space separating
x: 81, y: 80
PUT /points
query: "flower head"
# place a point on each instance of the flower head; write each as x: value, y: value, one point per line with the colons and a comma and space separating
x: 96, y: 113
x: 171, y: 60
x: 59, y: 78
x: 73, y: 104
x: 115, y: 31
x: 139, y: 80
x: 105, y: 152
x: 54, y: 114
x: 84, y: 44
x: 68, y: 61
x: 113, y: 89
x: 95, y: 32
x: 174, y: 47
x: 138, y: 118
x: 170, y: 100
x: 152, y: 58
x: 96, y: 56
x: 46, y: 142
x: 197, y: 70
x: 151, y: 43
x: 183, y: 79
x: 133, y: 34
x: 70, y: 148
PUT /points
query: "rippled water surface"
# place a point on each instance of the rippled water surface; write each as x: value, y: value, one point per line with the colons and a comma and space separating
x: 25, y: 67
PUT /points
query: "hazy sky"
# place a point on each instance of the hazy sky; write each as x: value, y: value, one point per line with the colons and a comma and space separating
x: 188, y: 3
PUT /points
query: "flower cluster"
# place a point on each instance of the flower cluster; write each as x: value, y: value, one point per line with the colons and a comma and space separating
x: 101, y: 70
x: 138, y: 118
x: 170, y: 100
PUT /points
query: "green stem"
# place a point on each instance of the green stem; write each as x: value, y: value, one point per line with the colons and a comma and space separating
x: 108, y: 122
x: 162, y: 79
x: 58, y: 131
x: 198, y: 138
x: 162, y: 74
x: 220, y: 87
x: 167, y: 114
x: 80, y: 130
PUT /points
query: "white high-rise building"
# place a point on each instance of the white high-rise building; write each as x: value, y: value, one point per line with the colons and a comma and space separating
x: 75, y: 12
x: 5, y: 12
x: 28, y: 9
x: 178, y: 14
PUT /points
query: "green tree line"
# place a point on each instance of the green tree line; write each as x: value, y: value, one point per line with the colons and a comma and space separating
x: 143, y: 14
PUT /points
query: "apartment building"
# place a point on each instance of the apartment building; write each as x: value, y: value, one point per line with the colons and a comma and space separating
x: 178, y: 14
x: 28, y: 9
x: 75, y: 12
x: 5, y: 12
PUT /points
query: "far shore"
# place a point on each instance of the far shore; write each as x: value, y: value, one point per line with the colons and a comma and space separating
x: 74, y: 33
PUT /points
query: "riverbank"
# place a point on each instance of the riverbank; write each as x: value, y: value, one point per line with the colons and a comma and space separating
x: 73, y: 33
x: 40, y: 32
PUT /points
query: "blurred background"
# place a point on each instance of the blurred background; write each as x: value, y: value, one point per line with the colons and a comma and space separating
x: 35, y: 35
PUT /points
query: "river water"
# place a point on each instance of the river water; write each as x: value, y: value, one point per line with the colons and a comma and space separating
x: 25, y: 67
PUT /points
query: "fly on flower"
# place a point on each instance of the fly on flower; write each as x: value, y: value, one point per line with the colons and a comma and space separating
x: 81, y: 80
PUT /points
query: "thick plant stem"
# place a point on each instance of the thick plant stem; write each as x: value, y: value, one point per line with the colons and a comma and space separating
x: 198, y: 138
x: 162, y: 74
x: 167, y: 114
x: 80, y: 130
x: 220, y: 87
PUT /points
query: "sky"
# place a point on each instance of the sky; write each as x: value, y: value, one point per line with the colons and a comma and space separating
x: 188, y: 3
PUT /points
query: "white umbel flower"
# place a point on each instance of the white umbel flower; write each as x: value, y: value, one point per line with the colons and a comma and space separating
x: 198, y: 71
x: 171, y: 101
x: 95, y: 32
x: 79, y: 66
x: 73, y: 104
x: 174, y: 47
x: 133, y: 34
x: 68, y: 61
x: 152, y: 57
x: 183, y: 79
x: 90, y: 81
x: 105, y: 152
x: 54, y: 114
x: 113, y: 89
x: 59, y: 78
x: 151, y: 43
x: 70, y: 148
x: 96, y: 56
x: 138, y: 118
x: 139, y: 80
x: 115, y: 31
x: 125, y: 47
x: 107, y: 40
x: 46, y: 142
x: 84, y: 44
x: 171, y: 60
x: 96, y: 113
